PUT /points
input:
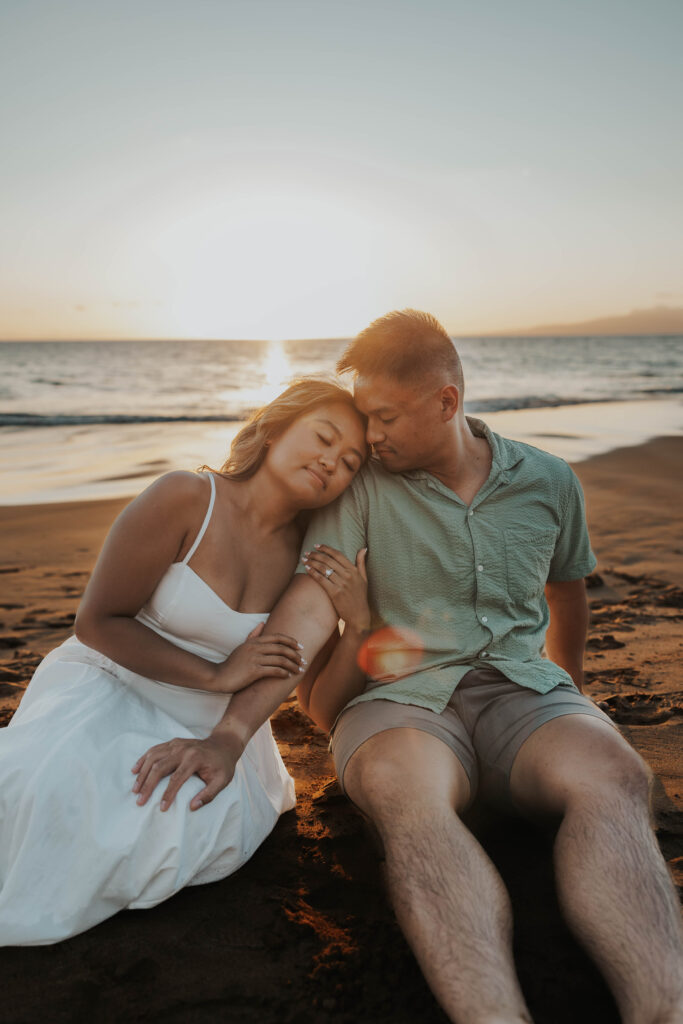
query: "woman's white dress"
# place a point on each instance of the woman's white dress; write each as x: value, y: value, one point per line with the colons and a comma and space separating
x: 74, y: 845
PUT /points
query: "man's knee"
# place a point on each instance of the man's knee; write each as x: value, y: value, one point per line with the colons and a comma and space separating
x: 616, y: 776
x: 395, y: 776
x: 578, y: 762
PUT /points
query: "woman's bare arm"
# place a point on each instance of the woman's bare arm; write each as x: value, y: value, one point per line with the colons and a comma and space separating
x: 145, y: 540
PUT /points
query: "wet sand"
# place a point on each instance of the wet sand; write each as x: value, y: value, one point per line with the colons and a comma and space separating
x: 303, y: 933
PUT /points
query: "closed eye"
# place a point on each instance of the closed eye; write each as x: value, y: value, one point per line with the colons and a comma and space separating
x: 385, y: 421
x: 325, y: 440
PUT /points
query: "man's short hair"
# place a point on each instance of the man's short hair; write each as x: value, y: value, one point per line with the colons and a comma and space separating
x: 406, y: 345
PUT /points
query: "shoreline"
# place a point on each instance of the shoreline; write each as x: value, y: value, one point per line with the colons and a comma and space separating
x: 303, y: 931
x: 46, y: 465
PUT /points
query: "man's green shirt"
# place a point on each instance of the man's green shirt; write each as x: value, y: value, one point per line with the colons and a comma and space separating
x: 468, y: 580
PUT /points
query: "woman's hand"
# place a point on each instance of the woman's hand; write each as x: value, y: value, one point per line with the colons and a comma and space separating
x: 345, y: 584
x: 211, y: 759
x: 271, y: 655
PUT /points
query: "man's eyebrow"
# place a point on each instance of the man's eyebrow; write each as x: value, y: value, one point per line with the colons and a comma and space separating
x: 339, y: 434
x: 382, y: 409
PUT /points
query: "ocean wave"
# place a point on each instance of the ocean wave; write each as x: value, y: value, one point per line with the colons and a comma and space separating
x: 482, y: 405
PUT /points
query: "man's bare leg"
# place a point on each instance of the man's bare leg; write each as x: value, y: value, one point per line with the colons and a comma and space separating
x: 448, y: 898
x: 613, y: 884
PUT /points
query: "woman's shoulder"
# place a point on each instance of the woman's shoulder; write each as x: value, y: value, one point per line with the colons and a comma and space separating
x: 179, y: 490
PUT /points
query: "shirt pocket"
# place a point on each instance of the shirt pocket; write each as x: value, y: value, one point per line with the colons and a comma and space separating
x: 528, y: 553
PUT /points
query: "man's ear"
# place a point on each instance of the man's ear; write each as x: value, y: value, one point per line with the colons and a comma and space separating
x: 450, y: 401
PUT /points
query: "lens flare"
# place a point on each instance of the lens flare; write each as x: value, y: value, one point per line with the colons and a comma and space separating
x: 390, y: 651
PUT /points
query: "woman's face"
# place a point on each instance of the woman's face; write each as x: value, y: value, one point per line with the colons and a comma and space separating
x: 318, y: 456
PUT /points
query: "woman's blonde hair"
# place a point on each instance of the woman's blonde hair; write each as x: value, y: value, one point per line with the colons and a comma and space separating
x: 249, y: 446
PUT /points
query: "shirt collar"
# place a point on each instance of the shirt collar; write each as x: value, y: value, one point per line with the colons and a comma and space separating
x: 505, y: 454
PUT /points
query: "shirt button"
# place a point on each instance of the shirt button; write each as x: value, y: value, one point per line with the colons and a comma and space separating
x: 484, y: 654
x: 470, y: 513
x: 484, y: 618
x: 480, y: 568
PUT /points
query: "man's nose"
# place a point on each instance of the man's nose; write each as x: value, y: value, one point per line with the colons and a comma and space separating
x: 374, y: 433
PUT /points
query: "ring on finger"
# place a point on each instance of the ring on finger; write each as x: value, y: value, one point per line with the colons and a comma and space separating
x: 328, y: 572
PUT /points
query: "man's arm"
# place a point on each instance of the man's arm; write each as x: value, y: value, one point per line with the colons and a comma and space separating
x: 565, y: 641
x: 304, y: 612
x: 310, y: 617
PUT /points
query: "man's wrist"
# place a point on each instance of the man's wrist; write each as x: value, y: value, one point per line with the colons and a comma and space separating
x: 357, y: 630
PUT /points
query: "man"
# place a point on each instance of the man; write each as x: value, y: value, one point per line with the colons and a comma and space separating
x: 477, y: 550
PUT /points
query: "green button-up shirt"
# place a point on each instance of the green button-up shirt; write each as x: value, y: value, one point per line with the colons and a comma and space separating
x: 467, y: 579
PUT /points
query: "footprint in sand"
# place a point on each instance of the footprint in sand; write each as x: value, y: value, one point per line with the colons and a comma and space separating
x: 11, y: 690
x: 608, y: 642
x: 642, y: 708
x: 8, y: 642
x: 670, y: 597
x: 8, y: 675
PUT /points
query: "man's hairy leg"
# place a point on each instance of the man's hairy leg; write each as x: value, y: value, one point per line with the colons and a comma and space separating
x: 448, y: 898
x: 613, y: 883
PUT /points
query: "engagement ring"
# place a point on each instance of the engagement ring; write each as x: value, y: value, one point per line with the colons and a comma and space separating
x: 328, y: 572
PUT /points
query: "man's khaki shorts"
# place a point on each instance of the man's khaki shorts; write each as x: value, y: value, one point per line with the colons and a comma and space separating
x: 485, y: 723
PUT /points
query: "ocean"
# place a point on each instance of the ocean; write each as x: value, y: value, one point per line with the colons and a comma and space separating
x: 92, y: 419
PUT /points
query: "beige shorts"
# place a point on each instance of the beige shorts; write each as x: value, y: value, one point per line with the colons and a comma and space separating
x: 485, y: 722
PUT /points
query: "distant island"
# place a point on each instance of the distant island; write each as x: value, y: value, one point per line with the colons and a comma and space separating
x: 658, y: 320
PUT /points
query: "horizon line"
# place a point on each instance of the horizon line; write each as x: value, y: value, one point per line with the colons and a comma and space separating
x: 510, y: 334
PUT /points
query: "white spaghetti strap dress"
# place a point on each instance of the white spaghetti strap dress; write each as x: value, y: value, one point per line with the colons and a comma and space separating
x: 74, y: 845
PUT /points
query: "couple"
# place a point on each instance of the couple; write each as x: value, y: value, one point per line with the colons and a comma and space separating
x: 477, y: 550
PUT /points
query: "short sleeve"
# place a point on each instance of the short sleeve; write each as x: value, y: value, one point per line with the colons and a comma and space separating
x: 573, y: 558
x: 342, y: 525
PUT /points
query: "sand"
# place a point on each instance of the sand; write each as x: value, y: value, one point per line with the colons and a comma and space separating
x: 303, y: 933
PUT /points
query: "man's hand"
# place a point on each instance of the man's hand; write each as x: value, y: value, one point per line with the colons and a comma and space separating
x: 213, y: 760
x: 345, y: 584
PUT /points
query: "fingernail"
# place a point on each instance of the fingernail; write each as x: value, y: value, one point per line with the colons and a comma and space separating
x: 304, y: 662
x: 304, y: 558
x: 300, y: 646
x: 163, y: 805
x: 317, y: 545
x: 140, y: 800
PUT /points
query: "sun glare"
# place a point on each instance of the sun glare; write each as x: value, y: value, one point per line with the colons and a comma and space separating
x: 270, y: 265
x: 271, y: 376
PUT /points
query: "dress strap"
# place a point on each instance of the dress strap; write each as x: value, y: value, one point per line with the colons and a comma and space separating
x: 207, y: 517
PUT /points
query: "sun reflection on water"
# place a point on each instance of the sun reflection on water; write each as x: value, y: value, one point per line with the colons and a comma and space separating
x: 271, y: 375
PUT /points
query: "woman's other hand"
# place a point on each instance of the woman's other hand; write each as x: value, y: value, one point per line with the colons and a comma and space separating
x: 212, y: 760
x: 275, y: 655
x: 345, y: 584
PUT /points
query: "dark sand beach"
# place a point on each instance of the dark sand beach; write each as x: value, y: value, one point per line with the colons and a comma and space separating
x: 303, y: 933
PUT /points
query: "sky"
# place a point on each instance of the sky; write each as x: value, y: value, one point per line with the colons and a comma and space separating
x: 270, y: 169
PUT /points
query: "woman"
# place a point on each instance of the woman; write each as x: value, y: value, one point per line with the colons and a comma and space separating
x: 170, y: 625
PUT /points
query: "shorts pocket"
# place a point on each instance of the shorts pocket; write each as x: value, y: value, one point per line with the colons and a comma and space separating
x: 528, y: 554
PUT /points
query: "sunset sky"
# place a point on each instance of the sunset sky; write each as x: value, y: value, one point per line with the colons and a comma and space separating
x: 270, y: 169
